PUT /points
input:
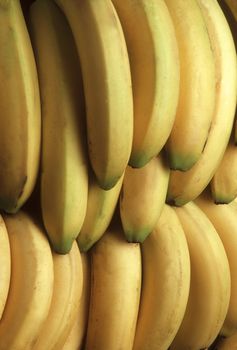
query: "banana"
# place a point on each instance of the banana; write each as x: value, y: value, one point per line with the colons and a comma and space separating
x: 64, y: 176
x: 76, y: 337
x: 209, y: 293
x: 154, y: 62
x: 67, y: 291
x: 101, y: 205
x: 115, y: 292
x: 197, y: 86
x: 20, y: 120
x: 224, y: 182
x: 232, y: 4
x: 165, y: 287
x: 31, y: 283
x: 5, y: 266
x: 107, y: 84
x: 186, y: 186
x: 223, y: 217
x: 142, y: 198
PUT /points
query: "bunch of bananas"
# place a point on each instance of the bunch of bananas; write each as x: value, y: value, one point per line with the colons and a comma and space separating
x: 118, y: 174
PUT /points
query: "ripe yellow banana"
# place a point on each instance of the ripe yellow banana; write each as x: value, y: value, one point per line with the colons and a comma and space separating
x: 64, y: 178
x: 20, y: 120
x: 31, y: 283
x: 76, y: 338
x: 154, y: 61
x: 142, y: 198
x: 165, y: 287
x: 186, y: 186
x: 197, y: 85
x: 209, y: 293
x: 223, y: 217
x: 107, y: 84
x: 224, y: 182
x: 67, y: 291
x: 115, y: 292
x: 232, y: 4
x: 5, y: 265
x: 101, y: 205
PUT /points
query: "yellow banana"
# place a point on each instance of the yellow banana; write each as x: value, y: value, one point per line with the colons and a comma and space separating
x: 154, y: 62
x: 101, y: 205
x: 107, y: 84
x: 115, y: 292
x: 67, y: 291
x: 209, y: 293
x: 31, y: 283
x: 142, y: 198
x: 224, y: 182
x: 197, y: 85
x: 165, y: 287
x: 20, y: 120
x: 223, y: 217
x: 64, y: 178
x: 75, y: 340
x: 5, y: 265
x: 186, y: 186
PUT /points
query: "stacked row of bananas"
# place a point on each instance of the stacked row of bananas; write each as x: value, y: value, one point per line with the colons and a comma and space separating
x: 118, y: 140
x: 177, y: 290
x: 90, y: 105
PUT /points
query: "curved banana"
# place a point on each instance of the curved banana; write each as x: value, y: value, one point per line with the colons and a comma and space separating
x: 197, y: 85
x: 5, y: 265
x: 31, y: 283
x: 224, y: 182
x: 154, y: 62
x: 142, y: 198
x: 165, y: 287
x: 115, y: 292
x: 64, y: 178
x: 76, y: 337
x: 67, y: 291
x: 107, y: 84
x: 186, y: 186
x: 20, y: 119
x: 209, y: 293
x: 223, y: 217
x: 101, y: 205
